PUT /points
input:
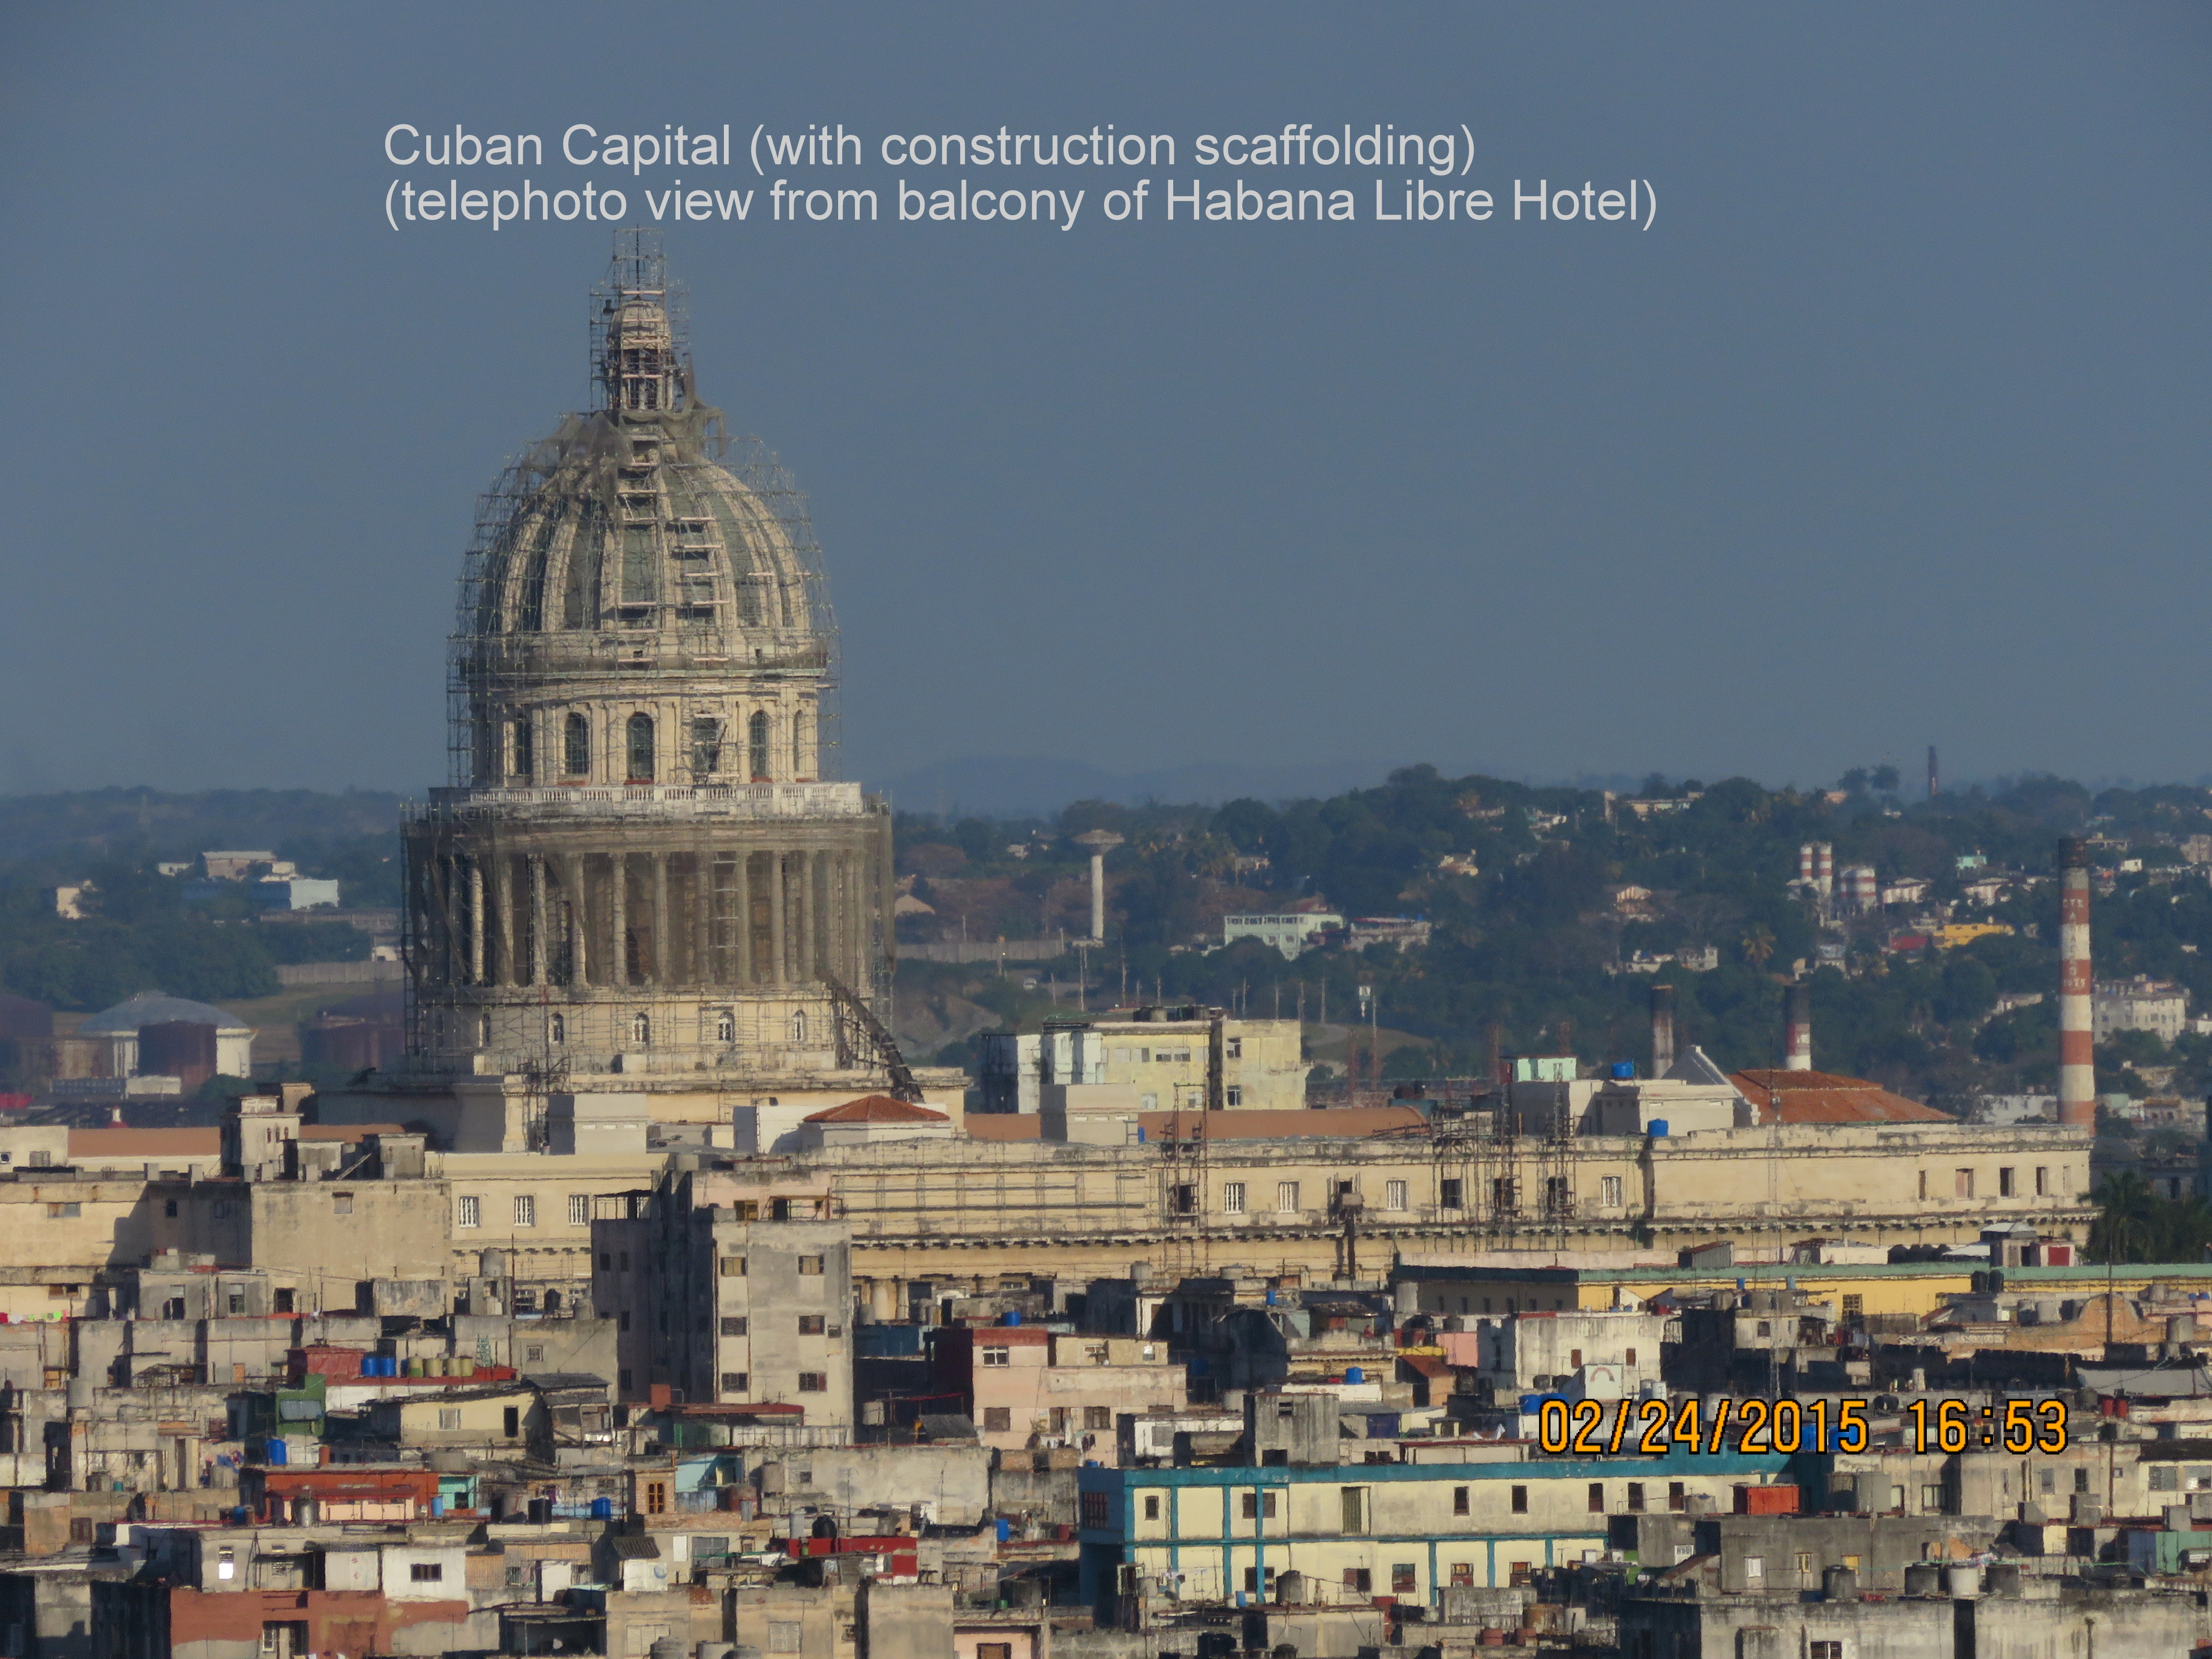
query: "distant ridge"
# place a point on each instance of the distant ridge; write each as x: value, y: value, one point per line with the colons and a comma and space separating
x: 1000, y: 786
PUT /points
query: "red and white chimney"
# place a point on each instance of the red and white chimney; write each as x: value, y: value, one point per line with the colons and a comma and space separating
x: 1797, y: 1005
x: 2077, y: 1058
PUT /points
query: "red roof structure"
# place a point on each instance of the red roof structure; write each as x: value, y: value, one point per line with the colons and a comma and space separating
x: 1825, y: 1097
x: 876, y: 1108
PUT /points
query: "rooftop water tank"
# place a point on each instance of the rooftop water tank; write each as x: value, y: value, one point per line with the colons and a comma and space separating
x: 1623, y: 1071
x: 1354, y: 1374
x: 1658, y: 1128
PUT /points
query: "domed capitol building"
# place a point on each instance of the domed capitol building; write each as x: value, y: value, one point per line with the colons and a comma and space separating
x: 640, y: 880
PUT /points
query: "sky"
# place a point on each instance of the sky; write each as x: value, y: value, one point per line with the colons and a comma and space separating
x: 1889, y: 429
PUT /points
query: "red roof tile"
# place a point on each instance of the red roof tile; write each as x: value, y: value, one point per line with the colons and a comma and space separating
x: 876, y: 1108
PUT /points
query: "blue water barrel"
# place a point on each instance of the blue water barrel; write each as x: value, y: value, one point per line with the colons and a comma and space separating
x: 1622, y: 1071
x: 275, y: 1449
x: 1006, y: 1529
x: 1013, y: 1315
x: 1659, y: 1129
x: 1354, y: 1374
x: 603, y: 1509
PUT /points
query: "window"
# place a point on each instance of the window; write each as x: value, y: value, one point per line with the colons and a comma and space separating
x: 1460, y: 1499
x: 993, y: 1357
x: 2082, y: 1480
x: 1597, y: 1498
x: 63, y: 1212
x: 2042, y: 1181
x: 813, y: 1382
x: 1932, y: 1500
x: 283, y: 1301
x: 1097, y: 1416
x: 734, y: 1325
x: 426, y: 1572
x: 1232, y: 1198
x: 1359, y: 1581
x: 1232, y: 1096
x: 1232, y: 1048
x: 468, y: 1211
x: 1186, y: 1200
x: 1804, y: 1563
x: 1755, y: 1568
x: 525, y: 750
x: 510, y: 1421
x: 735, y: 1382
x: 1259, y: 1506
x: 1628, y: 1356
x: 783, y: 1636
x: 706, y: 748
x: 812, y: 1324
x: 1352, y: 1506
x: 1462, y: 1575
x: 1394, y: 1194
x: 1853, y: 1308
x: 656, y: 1497
x: 525, y: 1210
x: 341, y: 1203
x: 1574, y: 1359
x: 1677, y: 1497
x: 1287, y: 1195
x: 1924, y: 1183
x: 1449, y: 1193
x: 1962, y: 1183
x: 576, y: 749
x: 1404, y: 1581
x: 1096, y: 1513
x: 449, y: 1417
x: 734, y: 1266
x: 1824, y: 1650
x: 2004, y: 1183
x: 810, y: 1267
x: 1608, y: 1191
x: 640, y: 1029
x: 1517, y: 1574
x: 534, y: 1354
x: 1634, y: 1502
x: 1151, y: 1506
x: 995, y: 1650
x: 640, y: 749
x: 998, y: 1419
x: 757, y: 746
x: 2163, y: 1478
x: 557, y: 1030
x: 1520, y: 1500
x: 580, y: 1209
x: 726, y: 1026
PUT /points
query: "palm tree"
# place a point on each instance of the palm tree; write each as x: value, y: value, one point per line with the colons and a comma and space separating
x: 2128, y: 1227
x: 1759, y: 945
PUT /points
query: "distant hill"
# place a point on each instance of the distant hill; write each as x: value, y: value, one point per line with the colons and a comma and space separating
x: 124, y: 820
x: 1038, y: 787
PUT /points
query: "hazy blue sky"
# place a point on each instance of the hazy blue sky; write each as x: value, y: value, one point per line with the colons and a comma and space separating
x: 1892, y: 429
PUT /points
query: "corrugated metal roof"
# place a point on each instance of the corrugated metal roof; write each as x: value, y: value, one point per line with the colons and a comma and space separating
x: 1826, y: 1098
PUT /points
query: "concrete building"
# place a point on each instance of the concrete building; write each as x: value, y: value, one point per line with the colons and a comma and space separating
x: 2140, y: 1004
x: 118, y: 1029
x: 1292, y: 931
x: 731, y: 1285
x: 1165, y: 1059
x: 1025, y: 1387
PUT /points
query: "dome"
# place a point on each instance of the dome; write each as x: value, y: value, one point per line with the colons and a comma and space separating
x: 152, y: 1008
x: 635, y: 558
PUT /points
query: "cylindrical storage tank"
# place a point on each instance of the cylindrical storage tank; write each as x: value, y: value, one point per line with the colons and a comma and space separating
x: 275, y: 1450
x: 668, y: 1647
x: 1839, y: 1584
x: 415, y: 1365
x: 603, y: 1509
x: 1964, y: 1583
x: 441, y: 1366
x: 1658, y: 1130
x: 1354, y: 1374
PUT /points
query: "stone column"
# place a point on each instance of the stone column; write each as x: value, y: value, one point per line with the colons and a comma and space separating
x: 702, y: 916
x: 809, y: 948
x: 503, y: 928
x: 618, y: 914
x: 741, y: 943
x: 779, y: 959
x: 657, y: 970
x: 476, y: 921
x: 540, y: 946
x: 579, y: 920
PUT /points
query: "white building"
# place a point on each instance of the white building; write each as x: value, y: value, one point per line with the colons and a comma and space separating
x: 1293, y: 933
x: 2141, y: 1004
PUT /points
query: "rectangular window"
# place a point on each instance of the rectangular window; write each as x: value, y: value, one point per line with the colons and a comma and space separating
x: 997, y: 1358
x: 1097, y: 1416
x: 1755, y: 1568
x: 810, y: 1267
x: 449, y: 1417
x: 813, y: 1382
x: 813, y: 1324
x: 1804, y: 1564
x: 63, y: 1212
x: 1096, y: 1516
x: 1517, y: 1574
x: 2042, y: 1181
x: 1447, y: 1194
x: 426, y: 1572
x: 1932, y: 1500
x: 1459, y: 1500
x: 1677, y: 1497
x: 656, y: 1497
x: 1232, y: 1198
x: 998, y: 1419
x: 734, y: 1266
x: 734, y: 1325
x: 1854, y: 1306
x: 1394, y: 1194
x: 995, y: 1650
x: 1186, y: 1200
x: 525, y: 1210
x: 1824, y: 1650
x: 1608, y: 1191
x: 736, y: 1382
x: 580, y: 1209
x: 1232, y: 1048
x: 1404, y: 1581
x: 1462, y: 1575
x: 1287, y: 1195
x: 1520, y: 1500
x: 1634, y: 1502
x: 1359, y: 1581
x: 1962, y: 1183
x: 468, y: 1211
x: 1232, y: 1096
x: 1151, y: 1506
x: 1352, y: 1508
x: 2004, y: 1183
x: 341, y: 1203
x: 1597, y: 1498
x: 1259, y: 1506
x: 783, y: 1636
x: 511, y: 1421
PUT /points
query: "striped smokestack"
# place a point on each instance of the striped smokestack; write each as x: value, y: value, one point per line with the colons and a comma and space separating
x: 1663, y: 1030
x: 1797, y: 1018
x: 2077, y: 1060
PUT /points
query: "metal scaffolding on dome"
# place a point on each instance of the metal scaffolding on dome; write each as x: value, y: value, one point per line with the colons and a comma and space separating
x: 664, y: 566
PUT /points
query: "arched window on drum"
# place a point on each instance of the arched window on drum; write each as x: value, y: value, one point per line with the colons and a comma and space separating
x: 640, y: 749
x: 756, y: 742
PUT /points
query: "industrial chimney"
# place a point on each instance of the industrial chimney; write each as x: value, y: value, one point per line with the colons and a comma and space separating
x: 2077, y: 1060
x: 1797, y: 1018
x: 1663, y: 1030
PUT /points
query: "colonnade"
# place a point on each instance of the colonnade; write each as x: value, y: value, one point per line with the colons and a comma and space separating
x: 709, y: 916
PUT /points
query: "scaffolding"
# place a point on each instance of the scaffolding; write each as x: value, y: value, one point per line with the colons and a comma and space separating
x: 639, y: 546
